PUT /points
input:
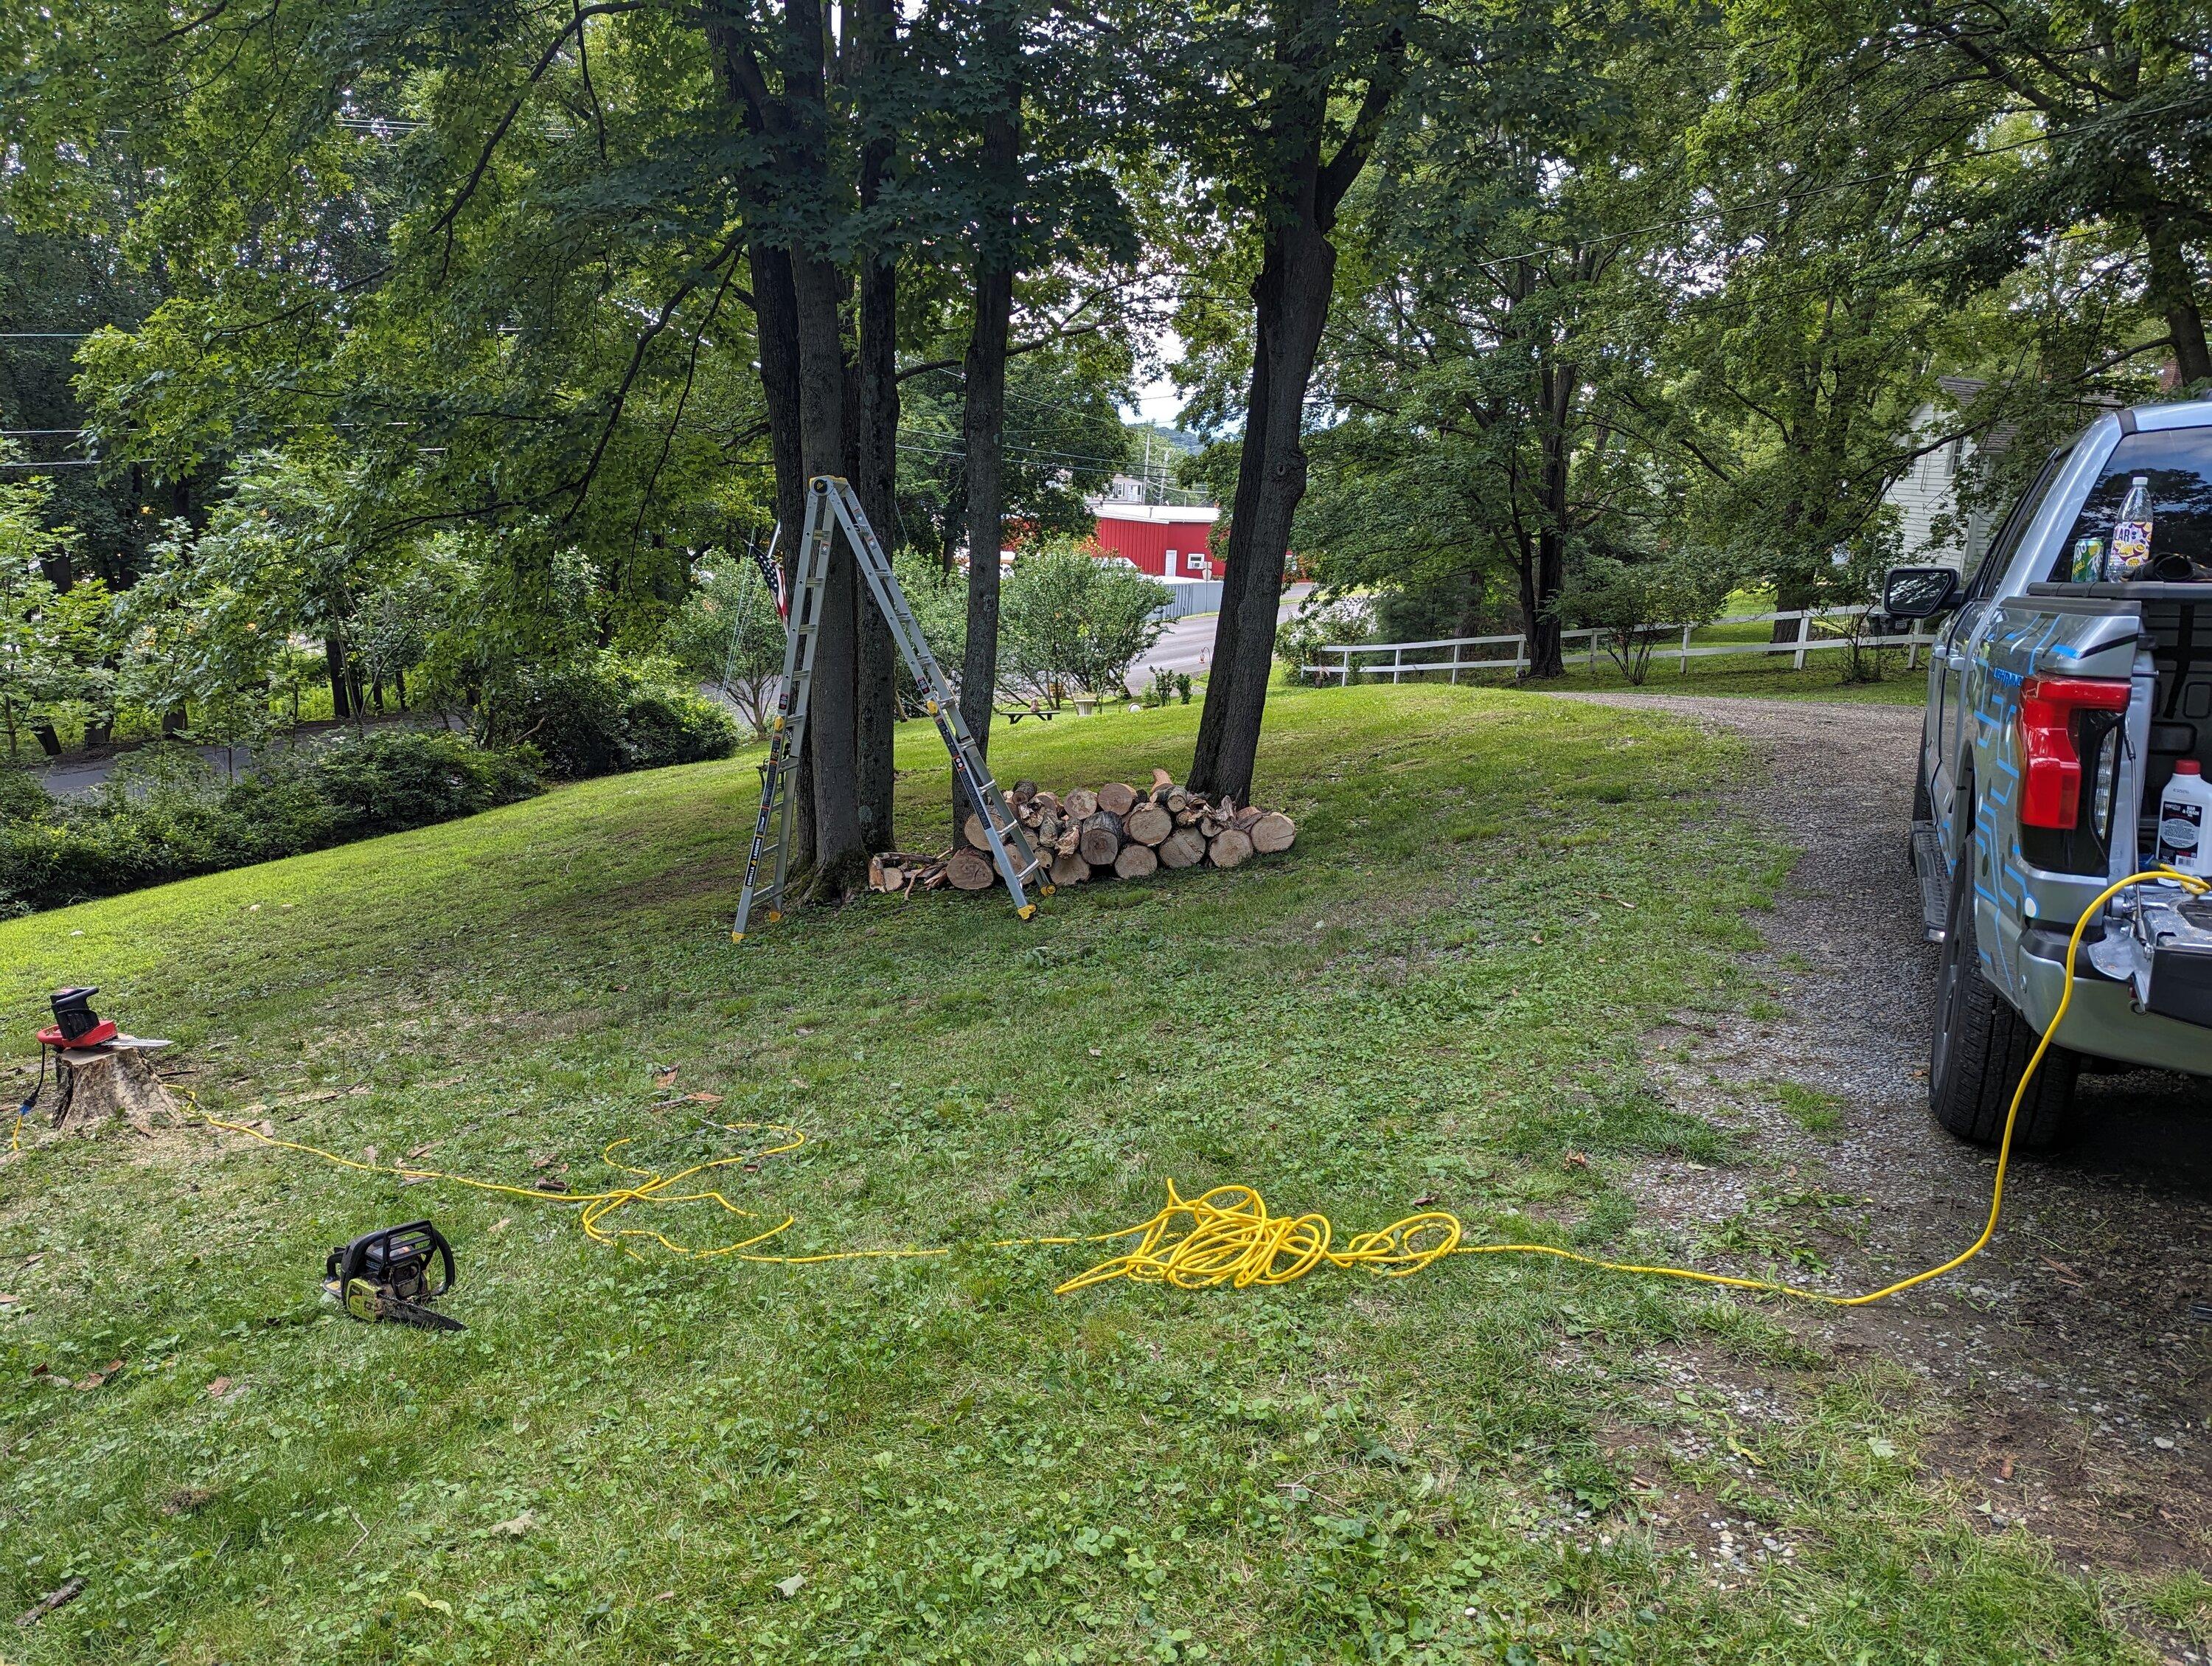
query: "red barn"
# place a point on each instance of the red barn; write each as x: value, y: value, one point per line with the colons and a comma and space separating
x: 1169, y: 541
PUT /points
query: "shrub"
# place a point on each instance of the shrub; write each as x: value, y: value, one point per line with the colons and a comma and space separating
x: 21, y: 798
x: 164, y: 816
x: 1300, y: 638
x: 602, y: 715
x: 1071, y: 619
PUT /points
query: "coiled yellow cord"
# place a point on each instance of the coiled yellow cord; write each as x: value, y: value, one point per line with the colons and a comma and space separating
x: 1222, y: 1237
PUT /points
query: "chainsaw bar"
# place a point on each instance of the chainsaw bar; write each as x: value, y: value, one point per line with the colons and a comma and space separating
x: 374, y: 1302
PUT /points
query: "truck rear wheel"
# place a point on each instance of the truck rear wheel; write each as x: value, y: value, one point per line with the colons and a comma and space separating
x: 1982, y: 1044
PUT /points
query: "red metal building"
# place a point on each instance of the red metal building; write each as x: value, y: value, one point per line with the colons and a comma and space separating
x: 1168, y: 540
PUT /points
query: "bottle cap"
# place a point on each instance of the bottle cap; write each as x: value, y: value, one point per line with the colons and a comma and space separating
x: 2188, y: 766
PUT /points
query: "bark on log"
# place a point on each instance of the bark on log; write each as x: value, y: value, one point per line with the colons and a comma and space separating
x: 1148, y: 825
x: 970, y: 869
x: 1229, y: 847
x: 1048, y: 827
x: 1115, y: 797
x: 1101, y: 840
x: 1136, y: 861
x: 1184, y: 848
x: 1070, y: 870
x: 1161, y: 781
x: 1025, y: 791
x: 1176, y: 800
x: 1273, y: 832
x: 1245, y: 819
x: 1071, y: 835
x: 1046, y: 800
x: 102, y: 1083
x: 1079, y: 803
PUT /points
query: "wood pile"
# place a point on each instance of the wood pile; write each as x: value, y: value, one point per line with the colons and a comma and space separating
x: 1117, y: 832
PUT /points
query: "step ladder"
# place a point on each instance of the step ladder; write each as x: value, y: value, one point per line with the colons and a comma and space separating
x: 832, y: 504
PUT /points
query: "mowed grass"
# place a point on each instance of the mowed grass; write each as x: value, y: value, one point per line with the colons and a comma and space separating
x: 1437, y: 995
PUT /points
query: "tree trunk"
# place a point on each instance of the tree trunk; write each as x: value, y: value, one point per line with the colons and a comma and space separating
x: 875, y: 441
x: 1289, y: 300
x: 2171, y: 291
x: 984, y: 408
x: 777, y: 330
x: 1542, y: 625
x: 334, y: 659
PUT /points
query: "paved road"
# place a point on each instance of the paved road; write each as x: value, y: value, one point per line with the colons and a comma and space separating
x: 2068, y: 1375
x: 1187, y: 644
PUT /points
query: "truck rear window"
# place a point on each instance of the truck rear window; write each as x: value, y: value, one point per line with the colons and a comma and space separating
x: 2178, y: 463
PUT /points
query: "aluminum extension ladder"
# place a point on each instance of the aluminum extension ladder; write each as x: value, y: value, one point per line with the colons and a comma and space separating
x: 831, y: 504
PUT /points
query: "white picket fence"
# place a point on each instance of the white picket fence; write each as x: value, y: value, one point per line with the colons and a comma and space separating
x: 1809, y: 620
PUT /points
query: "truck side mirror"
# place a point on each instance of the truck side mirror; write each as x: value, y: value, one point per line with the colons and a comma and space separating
x: 1920, y: 592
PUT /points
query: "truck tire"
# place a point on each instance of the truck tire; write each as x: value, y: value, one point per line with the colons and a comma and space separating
x: 1982, y: 1044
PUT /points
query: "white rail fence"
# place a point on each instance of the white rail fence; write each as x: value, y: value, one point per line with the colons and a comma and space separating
x: 1811, y: 624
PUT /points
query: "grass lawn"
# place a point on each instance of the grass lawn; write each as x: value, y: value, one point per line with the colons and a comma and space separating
x: 1728, y: 674
x: 1438, y: 993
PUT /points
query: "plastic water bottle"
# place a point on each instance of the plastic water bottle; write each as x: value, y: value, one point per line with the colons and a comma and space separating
x: 2130, y: 553
x: 2184, y: 810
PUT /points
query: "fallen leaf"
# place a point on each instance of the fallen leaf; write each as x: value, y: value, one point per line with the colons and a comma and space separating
x: 1423, y: 1200
x: 2004, y: 1470
x: 515, y: 1526
x: 704, y: 1098
x: 1098, y: 1052
x: 219, y: 1388
x: 666, y: 1078
x: 368, y: 1155
x: 500, y: 1224
x: 664, y: 1596
x: 544, y: 1162
x: 446, y: 1608
x: 358, y: 1088
x: 6, y: 1300
x: 1535, y: 937
x: 41, y: 1371
x: 788, y: 1587
x: 550, y: 1183
x: 1576, y: 1160
x: 101, y: 1375
x: 427, y: 1144
x: 1880, y: 1448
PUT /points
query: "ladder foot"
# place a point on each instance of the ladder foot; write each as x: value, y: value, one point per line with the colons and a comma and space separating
x: 775, y: 916
x: 737, y: 937
x: 1047, y: 890
x: 1025, y: 910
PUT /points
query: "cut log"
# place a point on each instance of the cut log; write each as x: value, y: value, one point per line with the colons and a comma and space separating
x: 876, y: 873
x: 1176, y: 800
x: 1025, y: 791
x: 1115, y: 797
x: 1272, y: 832
x: 1070, y: 869
x: 1100, y: 840
x: 1187, y: 816
x: 1229, y: 847
x: 970, y: 869
x: 1047, y: 800
x: 1147, y: 825
x: 1245, y: 819
x: 1161, y: 781
x: 1184, y: 848
x: 894, y: 878
x: 1136, y: 861
x: 115, y: 1079
x: 1048, y: 826
x: 1079, y: 803
x: 972, y: 830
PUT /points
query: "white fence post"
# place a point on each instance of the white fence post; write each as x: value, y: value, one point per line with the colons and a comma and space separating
x: 1804, y: 636
x: 1397, y: 661
x: 1686, y: 650
x: 1520, y: 653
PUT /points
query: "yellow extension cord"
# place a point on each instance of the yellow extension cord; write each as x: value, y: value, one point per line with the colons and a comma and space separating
x: 1231, y: 1238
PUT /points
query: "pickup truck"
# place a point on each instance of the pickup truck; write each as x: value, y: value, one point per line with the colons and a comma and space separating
x: 2056, y: 711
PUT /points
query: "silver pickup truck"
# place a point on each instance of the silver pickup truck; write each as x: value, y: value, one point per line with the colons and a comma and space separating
x: 2056, y: 711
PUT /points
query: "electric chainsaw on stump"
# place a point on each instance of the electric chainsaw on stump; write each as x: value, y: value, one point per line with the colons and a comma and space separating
x: 387, y: 1275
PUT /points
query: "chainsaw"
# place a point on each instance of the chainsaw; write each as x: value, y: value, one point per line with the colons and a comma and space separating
x: 387, y: 1275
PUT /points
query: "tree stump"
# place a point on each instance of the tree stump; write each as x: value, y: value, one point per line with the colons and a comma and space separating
x: 115, y: 1079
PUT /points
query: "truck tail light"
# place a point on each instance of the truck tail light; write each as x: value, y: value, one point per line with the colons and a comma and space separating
x: 2050, y: 755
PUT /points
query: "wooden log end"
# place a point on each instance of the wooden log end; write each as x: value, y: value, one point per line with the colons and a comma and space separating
x: 1136, y: 861
x: 1273, y: 832
x: 1229, y: 847
x: 970, y: 869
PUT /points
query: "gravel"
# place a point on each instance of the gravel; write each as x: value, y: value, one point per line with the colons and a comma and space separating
x: 2067, y: 1380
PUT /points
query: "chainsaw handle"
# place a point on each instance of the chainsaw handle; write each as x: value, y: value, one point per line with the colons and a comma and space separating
x: 350, y: 1261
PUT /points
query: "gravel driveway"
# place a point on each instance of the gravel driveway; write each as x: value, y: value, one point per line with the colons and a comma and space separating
x: 2067, y: 1380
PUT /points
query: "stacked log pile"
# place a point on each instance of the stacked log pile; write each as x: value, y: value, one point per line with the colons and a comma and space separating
x: 1117, y: 832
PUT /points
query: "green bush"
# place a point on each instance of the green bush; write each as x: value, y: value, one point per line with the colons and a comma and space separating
x: 602, y: 715
x: 164, y: 816
x: 21, y: 798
